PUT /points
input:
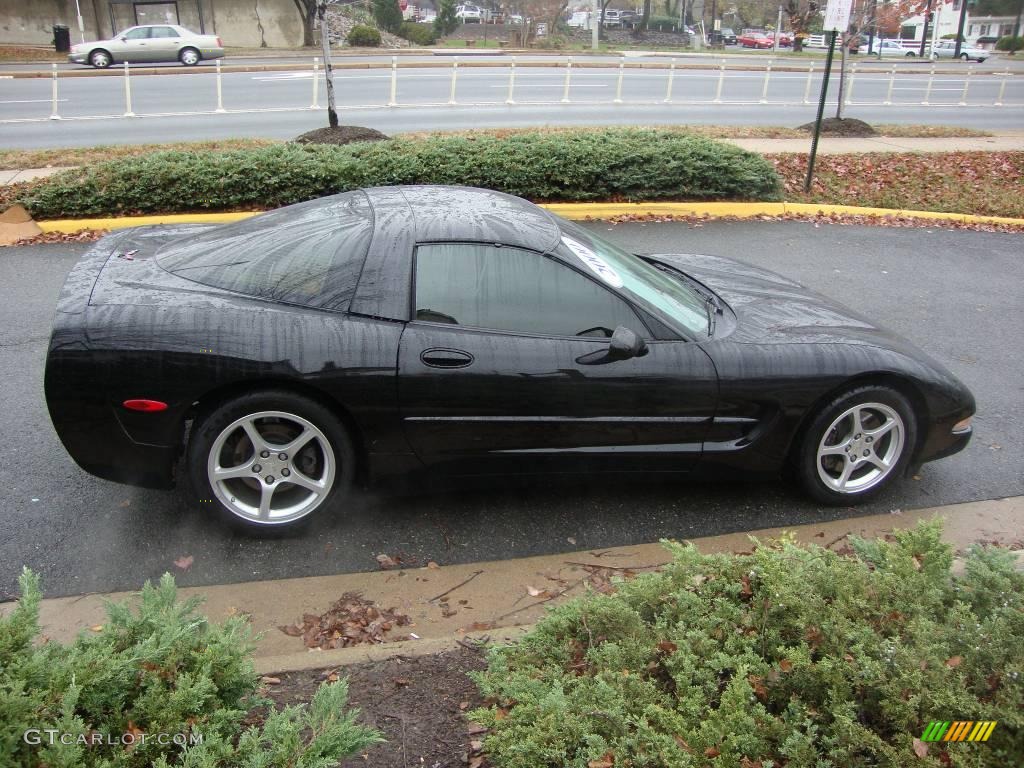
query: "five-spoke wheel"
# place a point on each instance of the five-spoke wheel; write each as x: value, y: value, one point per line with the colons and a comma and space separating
x: 270, y: 459
x: 856, y: 444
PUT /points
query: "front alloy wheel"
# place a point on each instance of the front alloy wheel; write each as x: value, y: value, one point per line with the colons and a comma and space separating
x: 856, y: 445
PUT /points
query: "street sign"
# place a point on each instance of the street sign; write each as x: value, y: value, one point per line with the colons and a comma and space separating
x: 837, y: 15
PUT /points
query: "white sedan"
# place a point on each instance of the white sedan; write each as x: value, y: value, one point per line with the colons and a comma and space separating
x: 149, y: 43
x: 946, y: 49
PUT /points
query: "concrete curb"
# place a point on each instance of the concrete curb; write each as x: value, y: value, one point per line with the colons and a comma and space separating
x: 492, y: 598
x: 574, y: 211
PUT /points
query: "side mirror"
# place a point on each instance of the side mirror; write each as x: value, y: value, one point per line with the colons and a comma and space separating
x: 124, y: 39
x: 625, y: 344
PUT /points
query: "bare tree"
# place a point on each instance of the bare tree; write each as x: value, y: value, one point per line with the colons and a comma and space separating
x: 307, y: 12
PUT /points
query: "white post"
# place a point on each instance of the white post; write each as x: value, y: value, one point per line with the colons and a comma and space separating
x: 595, y: 25
x: 81, y: 21
x: 849, y: 87
x: 928, y: 88
x: 1002, y: 87
x: 721, y: 81
x: 967, y: 82
x: 220, y: 91
x: 807, y: 88
x: 54, y: 114
x: 568, y: 74
x: 455, y: 76
x: 316, y: 83
x: 393, y: 101
x: 668, y: 88
x: 618, y: 85
x: 511, y: 82
x: 127, y: 93
x: 892, y: 80
x: 778, y: 31
x: 767, y: 77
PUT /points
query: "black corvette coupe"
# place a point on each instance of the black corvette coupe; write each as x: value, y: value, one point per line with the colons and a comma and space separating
x: 466, y: 332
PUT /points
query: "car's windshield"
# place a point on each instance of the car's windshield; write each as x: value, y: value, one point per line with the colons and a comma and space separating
x: 667, y: 296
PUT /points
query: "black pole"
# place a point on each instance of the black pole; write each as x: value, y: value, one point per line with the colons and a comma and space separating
x: 960, y: 28
x: 927, y: 21
x: 821, y: 112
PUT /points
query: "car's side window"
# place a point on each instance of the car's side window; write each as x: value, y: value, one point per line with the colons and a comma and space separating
x: 139, y: 33
x: 510, y: 289
x: 164, y: 32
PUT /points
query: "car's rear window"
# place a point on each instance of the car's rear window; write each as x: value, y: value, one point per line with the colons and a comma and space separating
x: 309, y: 254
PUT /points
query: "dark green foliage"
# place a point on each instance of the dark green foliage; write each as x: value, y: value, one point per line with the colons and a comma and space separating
x: 786, y: 656
x: 421, y: 34
x: 611, y: 164
x: 160, y: 668
x: 446, y: 21
x: 388, y: 15
x: 362, y: 36
x: 1010, y: 43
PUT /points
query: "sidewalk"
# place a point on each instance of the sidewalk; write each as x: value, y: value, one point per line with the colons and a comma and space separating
x: 827, y: 146
x: 448, y: 603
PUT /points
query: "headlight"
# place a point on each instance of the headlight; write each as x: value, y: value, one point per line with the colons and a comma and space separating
x: 964, y: 425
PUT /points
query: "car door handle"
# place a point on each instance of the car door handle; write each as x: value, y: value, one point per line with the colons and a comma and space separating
x: 439, y: 357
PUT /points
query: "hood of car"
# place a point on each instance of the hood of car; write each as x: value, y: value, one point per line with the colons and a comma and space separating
x: 772, y: 309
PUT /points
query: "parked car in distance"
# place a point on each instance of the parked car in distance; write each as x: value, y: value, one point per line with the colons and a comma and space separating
x: 469, y: 14
x: 946, y: 49
x: 728, y: 36
x: 612, y: 17
x: 387, y: 332
x: 755, y: 40
x: 885, y: 48
x: 149, y: 43
x: 785, y: 39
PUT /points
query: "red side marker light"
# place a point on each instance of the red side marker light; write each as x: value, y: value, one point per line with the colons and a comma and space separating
x: 146, y: 406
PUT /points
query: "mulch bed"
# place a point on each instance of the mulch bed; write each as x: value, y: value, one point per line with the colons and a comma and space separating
x: 417, y: 703
x: 343, y: 134
x: 840, y: 126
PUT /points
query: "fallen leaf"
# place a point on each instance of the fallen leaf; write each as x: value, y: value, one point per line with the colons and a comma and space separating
x: 666, y: 646
x: 385, y: 561
x: 266, y: 679
x: 476, y: 762
x: 402, y: 682
x: 476, y: 745
x: 920, y: 748
x: 291, y: 630
x: 607, y: 760
x: 712, y: 752
x: 541, y: 593
x: 954, y: 661
x: 475, y: 729
x: 432, y: 565
x: 785, y: 665
x: 184, y: 562
x: 96, y: 627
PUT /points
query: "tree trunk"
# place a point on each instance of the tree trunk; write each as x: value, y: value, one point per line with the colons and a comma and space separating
x: 307, y: 14
x: 325, y: 42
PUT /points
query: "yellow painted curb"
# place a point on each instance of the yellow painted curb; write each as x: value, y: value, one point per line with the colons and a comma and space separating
x: 575, y: 211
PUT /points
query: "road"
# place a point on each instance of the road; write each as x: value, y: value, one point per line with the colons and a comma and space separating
x: 954, y: 293
x: 277, y: 104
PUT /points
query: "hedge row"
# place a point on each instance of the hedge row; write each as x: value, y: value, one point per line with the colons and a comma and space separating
x: 607, y: 165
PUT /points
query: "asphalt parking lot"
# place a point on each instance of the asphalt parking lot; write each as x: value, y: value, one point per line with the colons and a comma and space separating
x: 953, y: 293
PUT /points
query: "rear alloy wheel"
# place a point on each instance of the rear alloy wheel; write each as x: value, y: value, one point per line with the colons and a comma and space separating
x: 189, y: 57
x: 100, y: 59
x: 857, y: 445
x: 269, y: 460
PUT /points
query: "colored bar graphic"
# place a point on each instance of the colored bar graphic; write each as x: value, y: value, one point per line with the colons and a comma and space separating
x: 958, y: 730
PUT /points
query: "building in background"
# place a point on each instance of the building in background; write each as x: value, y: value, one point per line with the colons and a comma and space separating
x: 245, y: 23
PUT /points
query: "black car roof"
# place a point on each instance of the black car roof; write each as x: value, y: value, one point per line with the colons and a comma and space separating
x: 449, y: 213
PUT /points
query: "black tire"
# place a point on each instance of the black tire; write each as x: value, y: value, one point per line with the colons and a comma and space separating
x: 965, y: 57
x: 328, y: 458
x: 880, y: 403
x: 911, y: 54
x: 100, y: 58
x: 189, y: 56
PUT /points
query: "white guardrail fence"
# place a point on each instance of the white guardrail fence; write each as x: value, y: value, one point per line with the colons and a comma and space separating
x: 785, y: 83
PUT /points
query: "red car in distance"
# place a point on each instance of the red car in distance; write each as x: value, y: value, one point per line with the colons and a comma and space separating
x: 785, y: 39
x: 755, y: 40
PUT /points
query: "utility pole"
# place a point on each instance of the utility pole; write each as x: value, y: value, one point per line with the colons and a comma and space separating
x: 927, y: 20
x: 778, y: 31
x: 595, y: 25
x: 325, y: 44
x: 960, y: 28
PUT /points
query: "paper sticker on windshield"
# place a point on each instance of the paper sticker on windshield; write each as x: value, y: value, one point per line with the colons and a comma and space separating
x: 597, y: 265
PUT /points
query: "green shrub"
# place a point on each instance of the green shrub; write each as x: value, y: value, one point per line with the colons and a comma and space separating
x: 387, y: 14
x: 362, y: 36
x: 159, y: 669
x: 609, y: 164
x: 785, y: 656
x: 421, y: 34
x: 446, y: 21
x: 1010, y: 43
